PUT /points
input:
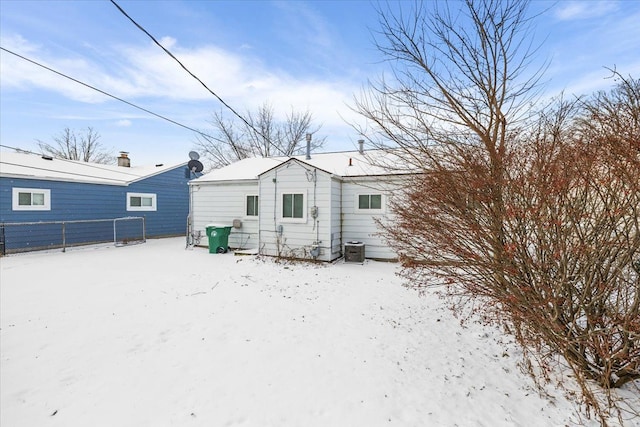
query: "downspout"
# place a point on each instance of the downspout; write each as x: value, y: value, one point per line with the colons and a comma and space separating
x: 259, y: 210
x: 275, y: 209
x: 341, y: 217
x: 189, y: 215
x: 315, y: 204
x: 275, y: 197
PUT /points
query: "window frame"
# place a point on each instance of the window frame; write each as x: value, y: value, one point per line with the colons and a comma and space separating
x: 304, y: 206
x: 359, y: 210
x: 246, y: 206
x: 152, y: 208
x: 15, y: 199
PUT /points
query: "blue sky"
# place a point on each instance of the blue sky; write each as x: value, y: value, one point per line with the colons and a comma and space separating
x: 305, y: 55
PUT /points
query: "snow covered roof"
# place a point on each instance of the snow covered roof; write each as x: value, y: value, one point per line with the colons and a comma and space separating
x: 245, y: 169
x: 343, y: 164
x: 35, y: 166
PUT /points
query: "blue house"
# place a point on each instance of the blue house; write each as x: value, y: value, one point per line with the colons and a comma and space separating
x: 47, y: 202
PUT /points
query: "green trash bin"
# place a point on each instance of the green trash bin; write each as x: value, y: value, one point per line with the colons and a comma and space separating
x: 218, y: 238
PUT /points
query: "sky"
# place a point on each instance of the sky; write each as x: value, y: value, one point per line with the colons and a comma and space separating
x: 293, y: 55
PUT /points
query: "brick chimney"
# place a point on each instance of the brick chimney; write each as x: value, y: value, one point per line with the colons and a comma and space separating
x: 124, y: 160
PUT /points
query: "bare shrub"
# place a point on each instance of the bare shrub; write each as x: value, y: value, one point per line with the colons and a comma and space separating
x: 567, y: 280
x: 531, y: 215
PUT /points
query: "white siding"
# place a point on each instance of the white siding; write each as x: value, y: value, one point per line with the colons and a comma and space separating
x: 339, y: 220
x: 360, y: 225
x: 298, y: 237
x: 221, y: 203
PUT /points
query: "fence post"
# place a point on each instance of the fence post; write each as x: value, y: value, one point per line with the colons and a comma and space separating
x: 64, y: 237
x: 2, y: 241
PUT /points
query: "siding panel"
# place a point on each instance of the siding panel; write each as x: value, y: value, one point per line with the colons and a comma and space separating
x: 297, y: 238
x: 362, y: 226
x: 221, y: 203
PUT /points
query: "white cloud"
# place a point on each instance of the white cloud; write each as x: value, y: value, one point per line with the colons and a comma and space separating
x: 146, y: 76
x: 574, y: 10
x: 302, y: 20
x: 168, y: 42
x: 147, y: 72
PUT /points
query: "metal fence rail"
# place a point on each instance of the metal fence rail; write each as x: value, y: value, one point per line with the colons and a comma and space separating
x: 30, y: 236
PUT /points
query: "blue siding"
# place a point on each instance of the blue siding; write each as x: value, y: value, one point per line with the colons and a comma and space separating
x: 173, y: 202
x: 82, y: 201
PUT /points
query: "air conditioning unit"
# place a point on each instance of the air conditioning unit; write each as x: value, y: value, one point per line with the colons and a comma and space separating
x: 354, y: 252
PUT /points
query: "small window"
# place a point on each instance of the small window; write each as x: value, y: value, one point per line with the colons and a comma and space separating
x: 31, y: 199
x: 293, y: 205
x: 252, y: 205
x: 370, y: 201
x: 141, y: 202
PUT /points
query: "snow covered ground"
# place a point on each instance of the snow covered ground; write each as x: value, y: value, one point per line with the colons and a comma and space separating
x: 156, y: 335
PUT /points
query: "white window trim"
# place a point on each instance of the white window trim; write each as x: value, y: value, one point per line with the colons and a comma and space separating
x: 356, y: 204
x: 154, y: 202
x: 251, y: 217
x: 304, y: 207
x: 15, y: 199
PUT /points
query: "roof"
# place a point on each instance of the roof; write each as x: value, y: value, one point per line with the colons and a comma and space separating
x: 243, y: 170
x: 342, y: 164
x: 35, y: 166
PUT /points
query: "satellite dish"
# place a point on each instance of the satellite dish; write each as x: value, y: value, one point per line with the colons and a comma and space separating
x: 194, y: 165
x: 193, y: 155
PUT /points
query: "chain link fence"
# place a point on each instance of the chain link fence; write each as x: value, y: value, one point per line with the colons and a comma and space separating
x: 32, y: 236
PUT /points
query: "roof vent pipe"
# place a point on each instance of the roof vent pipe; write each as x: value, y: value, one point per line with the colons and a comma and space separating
x: 361, y: 146
x: 124, y: 160
x: 308, y: 147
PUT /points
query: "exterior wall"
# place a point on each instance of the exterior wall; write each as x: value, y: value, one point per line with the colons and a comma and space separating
x: 172, y: 191
x: 221, y: 203
x: 360, y: 225
x: 71, y: 201
x: 294, y: 237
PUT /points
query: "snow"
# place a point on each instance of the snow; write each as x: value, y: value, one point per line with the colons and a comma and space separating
x: 156, y: 335
x: 33, y: 166
x: 245, y: 169
x: 343, y: 164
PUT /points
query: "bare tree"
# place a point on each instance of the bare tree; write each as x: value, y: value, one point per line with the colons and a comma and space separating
x: 264, y: 136
x: 85, y: 147
x: 508, y: 208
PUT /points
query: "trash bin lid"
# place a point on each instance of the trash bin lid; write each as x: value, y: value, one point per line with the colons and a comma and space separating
x: 217, y: 225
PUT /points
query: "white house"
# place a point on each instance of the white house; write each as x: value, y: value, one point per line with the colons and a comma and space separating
x: 300, y: 207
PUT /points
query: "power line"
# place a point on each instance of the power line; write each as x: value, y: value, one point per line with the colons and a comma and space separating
x: 109, y: 95
x: 196, y: 77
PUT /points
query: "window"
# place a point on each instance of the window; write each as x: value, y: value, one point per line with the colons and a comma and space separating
x: 31, y: 199
x: 370, y: 201
x: 293, y: 205
x: 141, y: 202
x: 252, y: 205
